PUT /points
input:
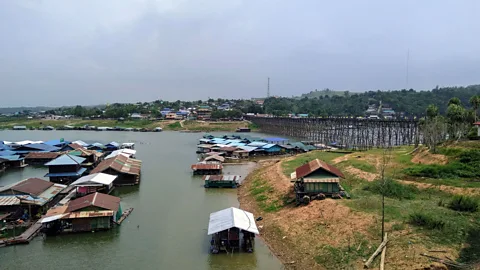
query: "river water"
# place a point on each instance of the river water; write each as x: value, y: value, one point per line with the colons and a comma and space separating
x: 166, y: 230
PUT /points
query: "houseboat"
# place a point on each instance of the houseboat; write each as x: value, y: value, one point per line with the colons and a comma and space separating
x: 207, y: 168
x: 232, y: 229
x: 221, y: 181
x: 65, y: 169
x: 127, y: 169
x: 243, y: 130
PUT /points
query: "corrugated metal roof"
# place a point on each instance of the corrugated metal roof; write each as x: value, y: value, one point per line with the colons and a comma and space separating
x: 12, y: 158
x: 228, y: 149
x: 95, y: 199
x: 42, y: 155
x: 247, y: 148
x: 39, y: 147
x: 268, y: 146
x: 82, y: 143
x: 66, y: 159
x: 32, y: 186
x: 221, y: 177
x: 56, y: 142
x: 67, y: 174
x: 207, y: 166
x: 8, y: 200
x: 314, y: 165
x: 7, y: 153
x: 257, y: 144
x: 96, y: 178
x: 120, y: 164
x: 216, y: 157
x: 205, y: 146
x: 275, y: 139
x: 88, y: 214
x: 321, y: 180
x: 230, y: 218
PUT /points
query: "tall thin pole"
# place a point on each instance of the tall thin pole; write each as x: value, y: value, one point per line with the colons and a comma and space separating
x: 268, y: 87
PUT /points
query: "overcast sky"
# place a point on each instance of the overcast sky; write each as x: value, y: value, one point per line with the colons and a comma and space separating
x: 61, y: 52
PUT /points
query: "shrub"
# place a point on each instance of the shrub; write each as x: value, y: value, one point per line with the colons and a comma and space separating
x: 427, y: 221
x: 463, y: 204
x: 392, y: 189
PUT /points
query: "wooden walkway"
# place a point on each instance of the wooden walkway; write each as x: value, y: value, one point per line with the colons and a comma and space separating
x: 25, y: 237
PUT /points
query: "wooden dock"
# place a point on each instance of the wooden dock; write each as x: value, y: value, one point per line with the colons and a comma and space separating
x: 25, y: 237
x: 125, y: 214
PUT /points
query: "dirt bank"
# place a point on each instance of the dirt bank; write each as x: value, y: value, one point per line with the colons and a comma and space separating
x: 299, y: 235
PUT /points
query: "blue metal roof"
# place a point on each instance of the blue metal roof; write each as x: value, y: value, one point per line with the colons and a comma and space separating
x: 56, y: 142
x: 267, y: 146
x: 66, y: 160
x: 11, y: 158
x: 97, y: 144
x: 257, y: 144
x: 237, y: 144
x: 114, y: 144
x: 40, y: 147
x: 275, y: 139
x: 67, y: 174
x: 5, y: 147
x: 247, y: 148
x: 7, y: 153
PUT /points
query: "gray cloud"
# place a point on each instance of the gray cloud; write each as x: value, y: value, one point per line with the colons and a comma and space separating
x: 57, y: 52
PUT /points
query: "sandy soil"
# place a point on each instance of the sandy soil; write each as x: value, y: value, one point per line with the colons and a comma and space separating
x: 361, y: 174
x: 423, y: 156
x: 295, y: 234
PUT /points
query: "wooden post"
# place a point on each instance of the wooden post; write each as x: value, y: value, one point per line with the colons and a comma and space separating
x: 382, y: 257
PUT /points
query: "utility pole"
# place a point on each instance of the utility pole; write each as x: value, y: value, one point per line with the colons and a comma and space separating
x: 268, y: 87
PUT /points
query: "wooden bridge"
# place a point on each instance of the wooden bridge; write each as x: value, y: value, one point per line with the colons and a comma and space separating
x: 352, y: 133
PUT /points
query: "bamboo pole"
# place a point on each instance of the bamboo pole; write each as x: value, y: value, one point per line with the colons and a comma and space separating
x: 375, y: 254
x: 382, y: 257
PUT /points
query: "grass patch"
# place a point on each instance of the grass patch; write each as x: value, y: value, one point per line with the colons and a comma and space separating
x: 392, y: 189
x: 290, y: 166
x: 465, y: 165
x: 427, y: 221
x: 463, y: 204
x: 262, y: 193
x: 398, y: 227
x: 361, y: 165
x: 174, y: 126
x: 344, y: 257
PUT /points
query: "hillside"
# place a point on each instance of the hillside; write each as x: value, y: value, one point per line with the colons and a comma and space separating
x: 322, y: 93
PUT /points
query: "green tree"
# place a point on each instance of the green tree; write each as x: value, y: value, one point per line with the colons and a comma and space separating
x: 475, y: 102
x: 454, y: 101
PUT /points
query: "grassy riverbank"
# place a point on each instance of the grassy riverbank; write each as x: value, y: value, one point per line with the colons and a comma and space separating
x: 193, y: 125
x: 422, y: 214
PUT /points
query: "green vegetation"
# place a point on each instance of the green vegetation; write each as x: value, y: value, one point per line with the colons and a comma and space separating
x: 463, y: 204
x: 262, y: 191
x: 361, y: 165
x: 464, y: 166
x: 174, y: 126
x: 344, y: 257
x: 427, y: 221
x: 413, y: 103
x: 290, y: 165
x: 392, y: 189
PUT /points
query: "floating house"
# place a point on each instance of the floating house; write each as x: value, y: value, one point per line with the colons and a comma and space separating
x: 35, y: 147
x: 316, y: 180
x: 28, y: 198
x: 221, y: 181
x: 127, y: 170
x: 14, y: 161
x: 97, y: 182
x: 125, y: 152
x: 232, y: 229
x: 19, y: 127
x: 40, y: 158
x: 207, y: 168
x: 57, y: 143
x: 112, y: 146
x: 65, y: 169
x: 97, y: 147
x: 92, y: 157
x: 243, y: 130
x: 215, y: 158
x: 94, y: 212
x: 127, y: 146
x: 71, y: 147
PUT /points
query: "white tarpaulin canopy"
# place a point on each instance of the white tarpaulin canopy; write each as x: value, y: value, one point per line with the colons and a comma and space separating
x: 126, y: 152
x: 230, y: 218
x: 52, y: 218
x: 95, y: 179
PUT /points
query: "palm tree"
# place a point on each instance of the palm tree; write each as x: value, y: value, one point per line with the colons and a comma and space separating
x: 475, y: 102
